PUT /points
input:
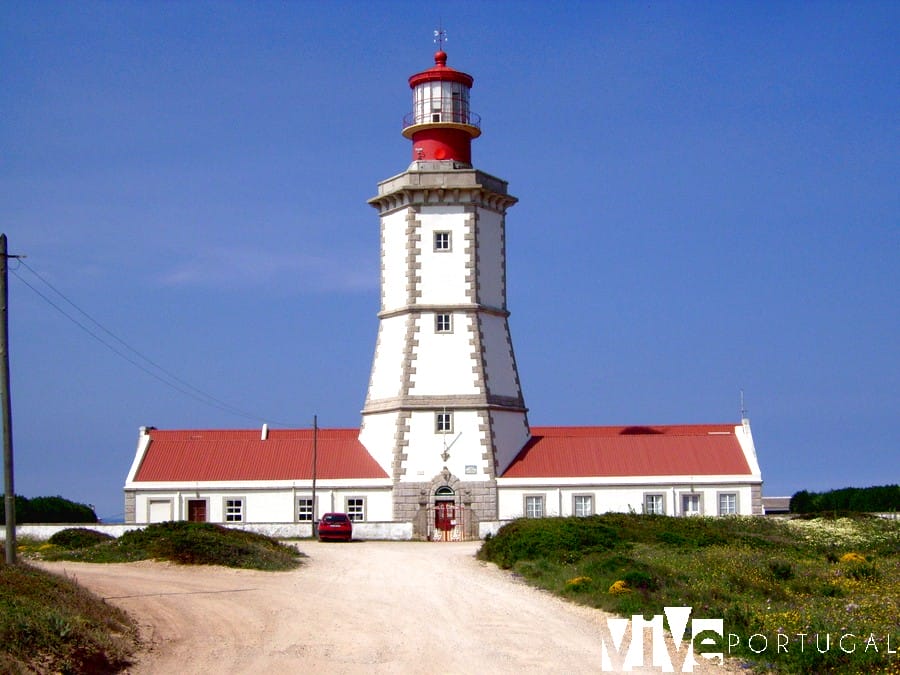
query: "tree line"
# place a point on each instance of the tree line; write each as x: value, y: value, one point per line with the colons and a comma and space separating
x: 879, y: 498
x: 50, y: 510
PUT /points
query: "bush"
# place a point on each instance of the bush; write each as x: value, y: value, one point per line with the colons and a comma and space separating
x: 50, y: 510
x: 782, y: 571
x: 189, y: 543
x: 78, y: 537
x: 641, y: 580
x: 870, y: 499
x: 563, y: 540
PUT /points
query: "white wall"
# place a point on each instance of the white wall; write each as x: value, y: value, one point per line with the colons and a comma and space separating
x: 491, y: 258
x: 393, y: 259
x: 387, y: 364
x: 443, y: 273
x: 377, y: 435
x: 499, y: 365
x: 425, y: 447
x: 264, y: 504
x: 558, y: 500
x: 366, y: 530
x: 510, y: 436
x: 443, y: 362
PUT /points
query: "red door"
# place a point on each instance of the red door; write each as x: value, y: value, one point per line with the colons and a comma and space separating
x: 197, y: 510
x: 444, y: 516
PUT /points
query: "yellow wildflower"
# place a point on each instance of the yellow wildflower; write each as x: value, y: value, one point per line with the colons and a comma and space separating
x: 619, y: 587
x: 578, y: 581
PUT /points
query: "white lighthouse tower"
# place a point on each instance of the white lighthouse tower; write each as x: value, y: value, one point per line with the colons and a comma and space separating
x: 444, y: 414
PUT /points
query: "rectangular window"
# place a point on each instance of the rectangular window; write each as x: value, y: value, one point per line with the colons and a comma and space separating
x: 234, y: 510
x: 441, y: 241
x: 583, y: 505
x: 534, y: 506
x: 305, y: 509
x: 356, y: 508
x: 654, y: 504
x: 727, y: 504
x: 443, y: 423
x: 443, y: 323
x: 690, y: 504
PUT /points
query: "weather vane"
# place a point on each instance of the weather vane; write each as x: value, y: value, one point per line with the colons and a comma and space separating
x: 440, y: 37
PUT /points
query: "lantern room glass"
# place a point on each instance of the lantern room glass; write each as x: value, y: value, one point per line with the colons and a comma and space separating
x: 441, y: 101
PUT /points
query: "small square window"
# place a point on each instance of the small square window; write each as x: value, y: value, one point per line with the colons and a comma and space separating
x: 534, y: 506
x: 583, y: 505
x: 356, y: 508
x: 304, y: 509
x: 443, y: 423
x: 443, y: 323
x: 441, y: 241
x: 727, y: 504
x: 654, y: 504
x: 234, y: 510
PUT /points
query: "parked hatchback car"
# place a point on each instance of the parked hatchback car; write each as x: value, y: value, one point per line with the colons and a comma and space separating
x: 335, y: 526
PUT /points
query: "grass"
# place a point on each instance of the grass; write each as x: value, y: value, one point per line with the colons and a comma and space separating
x: 177, y: 541
x: 50, y: 624
x: 762, y: 576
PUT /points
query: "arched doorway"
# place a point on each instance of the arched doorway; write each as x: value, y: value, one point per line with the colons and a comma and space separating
x: 444, y: 512
x: 449, y: 516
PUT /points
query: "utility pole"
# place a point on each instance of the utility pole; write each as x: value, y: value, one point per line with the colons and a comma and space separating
x: 315, y: 461
x: 8, y: 486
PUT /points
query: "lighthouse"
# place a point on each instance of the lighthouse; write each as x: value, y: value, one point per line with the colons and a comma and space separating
x: 444, y: 414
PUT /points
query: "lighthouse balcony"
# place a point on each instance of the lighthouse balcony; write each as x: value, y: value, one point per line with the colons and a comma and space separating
x: 447, y: 116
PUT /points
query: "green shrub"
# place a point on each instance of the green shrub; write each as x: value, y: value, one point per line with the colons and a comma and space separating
x: 861, y: 571
x: 50, y: 510
x: 637, y: 579
x: 78, y: 537
x: 188, y: 544
x: 563, y: 540
x: 781, y: 570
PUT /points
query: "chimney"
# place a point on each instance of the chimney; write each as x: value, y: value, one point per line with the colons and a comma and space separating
x: 265, y: 432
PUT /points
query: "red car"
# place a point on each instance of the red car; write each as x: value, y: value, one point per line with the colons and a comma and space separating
x: 335, y: 526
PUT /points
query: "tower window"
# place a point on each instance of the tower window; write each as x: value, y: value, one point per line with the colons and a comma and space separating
x: 443, y: 423
x: 441, y: 241
x: 443, y: 323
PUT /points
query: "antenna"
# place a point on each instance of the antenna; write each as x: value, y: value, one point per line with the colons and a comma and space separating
x: 743, y: 409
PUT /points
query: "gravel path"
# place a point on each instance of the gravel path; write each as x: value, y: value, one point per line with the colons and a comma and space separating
x: 363, y: 607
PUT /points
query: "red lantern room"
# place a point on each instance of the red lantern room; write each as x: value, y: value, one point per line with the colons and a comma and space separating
x: 441, y: 126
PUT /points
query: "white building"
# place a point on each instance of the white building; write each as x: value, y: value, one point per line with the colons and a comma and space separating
x: 445, y: 448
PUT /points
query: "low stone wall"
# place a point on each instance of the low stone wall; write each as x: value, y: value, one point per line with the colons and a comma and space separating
x: 389, y: 531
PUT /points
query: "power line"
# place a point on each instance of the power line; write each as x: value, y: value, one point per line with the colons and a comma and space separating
x: 170, y: 380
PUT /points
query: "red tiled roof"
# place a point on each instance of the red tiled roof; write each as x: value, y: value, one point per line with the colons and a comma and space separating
x: 684, y: 450
x: 230, y: 455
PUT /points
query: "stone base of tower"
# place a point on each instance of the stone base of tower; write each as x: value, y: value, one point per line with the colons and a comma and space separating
x: 468, y: 502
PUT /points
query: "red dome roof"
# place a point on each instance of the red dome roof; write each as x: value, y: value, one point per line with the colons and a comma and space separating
x: 440, y: 72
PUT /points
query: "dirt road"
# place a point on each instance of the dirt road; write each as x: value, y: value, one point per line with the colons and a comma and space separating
x: 373, y: 607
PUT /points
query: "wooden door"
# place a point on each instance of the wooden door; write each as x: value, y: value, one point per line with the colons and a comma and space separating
x: 444, y: 516
x: 197, y: 510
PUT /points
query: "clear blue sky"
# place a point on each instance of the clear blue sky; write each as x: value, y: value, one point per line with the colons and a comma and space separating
x: 708, y: 203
